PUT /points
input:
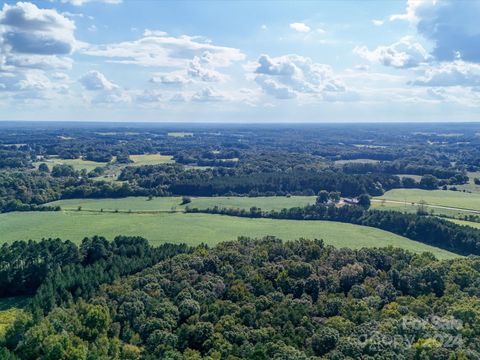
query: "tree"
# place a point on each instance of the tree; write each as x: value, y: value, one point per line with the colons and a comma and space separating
x: 43, y: 168
x: 429, y: 182
x: 334, y: 196
x: 364, y: 201
x: 324, y: 340
x: 322, y: 197
x: 186, y: 200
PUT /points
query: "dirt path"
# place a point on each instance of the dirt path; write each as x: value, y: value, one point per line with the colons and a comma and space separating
x: 426, y: 205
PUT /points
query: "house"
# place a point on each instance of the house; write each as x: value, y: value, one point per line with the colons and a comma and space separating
x: 350, y: 201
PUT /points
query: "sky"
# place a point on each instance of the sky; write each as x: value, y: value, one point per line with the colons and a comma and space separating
x: 240, y: 61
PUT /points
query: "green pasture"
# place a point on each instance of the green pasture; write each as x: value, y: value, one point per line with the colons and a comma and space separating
x: 175, y: 203
x: 194, y: 229
x: 447, y: 198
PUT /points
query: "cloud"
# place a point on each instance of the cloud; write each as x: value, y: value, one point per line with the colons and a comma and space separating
x: 149, y: 96
x: 456, y: 73
x: 83, y: 2
x: 34, y: 84
x: 198, y: 70
x: 300, y: 27
x: 289, y: 76
x: 177, y: 78
x: 402, y: 54
x: 275, y: 89
x: 377, y: 22
x: 26, y: 29
x: 158, y: 49
x: 451, y: 25
x: 208, y: 95
x: 95, y: 80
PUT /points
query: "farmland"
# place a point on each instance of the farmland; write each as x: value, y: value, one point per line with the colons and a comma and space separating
x: 80, y: 164
x: 437, y: 199
x: 174, y: 203
x: 194, y: 229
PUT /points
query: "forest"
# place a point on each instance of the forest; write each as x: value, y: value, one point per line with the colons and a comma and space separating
x: 259, y: 299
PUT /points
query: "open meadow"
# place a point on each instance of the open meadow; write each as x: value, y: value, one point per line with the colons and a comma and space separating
x: 453, y: 200
x: 80, y: 164
x: 174, y: 203
x: 194, y: 229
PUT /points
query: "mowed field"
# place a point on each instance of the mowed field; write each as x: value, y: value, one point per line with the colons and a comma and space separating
x: 194, y: 229
x: 174, y: 203
x: 138, y: 160
x: 442, y: 198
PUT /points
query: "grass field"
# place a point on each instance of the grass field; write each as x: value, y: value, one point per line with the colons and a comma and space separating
x: 151, y: 159
x: 412, y: 209
x: 456, y: 199
x: 78, y: 164
x: 9, y: 310
x: 138, y: 160
x: 471, y: 187
x: 166, y: 203
x: 473, y: 224
x: 194, y: 229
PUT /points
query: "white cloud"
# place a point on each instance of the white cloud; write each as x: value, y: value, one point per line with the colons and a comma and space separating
x: 300, y: 27
x: 83, y: 2
x: 289, y: 76
x: 403, y: 54
x: 456, y: 73
x: 197, y: 69
x: 275, y: 89
x: 95, y: 80
x: 26, y: 29
x: 177, y: 78
x: 264, y: 27
x: 157, y: 49
x: 149, y: 96
x: 208, y: 95
x: 451, y: 25
x: 377, y: 22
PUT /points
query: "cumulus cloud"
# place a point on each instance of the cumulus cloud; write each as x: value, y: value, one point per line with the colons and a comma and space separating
x: 275, y: 89
x: 451, y: 25
x: 402, y: 54
x: 456, y: 73
x: 208, y: 95
x: 176, y: 78
x: 95, y: 80
x: 289, y: 76
x: 149, y: 96
x: 33, y: 43
x: 158, y: 49
x: 26, y: 29
x: 83, y: 2
x: 33, y: 83
x: 198, y: 70
x: 377, y: 22
x: 300, y: 27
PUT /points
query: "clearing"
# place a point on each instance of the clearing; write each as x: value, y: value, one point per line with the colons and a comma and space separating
x: 195, y: 229
x: 173, y: 203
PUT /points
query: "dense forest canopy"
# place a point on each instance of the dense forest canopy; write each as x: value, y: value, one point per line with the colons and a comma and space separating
x: 264, y: 299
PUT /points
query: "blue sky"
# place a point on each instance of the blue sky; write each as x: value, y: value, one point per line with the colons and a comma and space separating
x: 240, y: 61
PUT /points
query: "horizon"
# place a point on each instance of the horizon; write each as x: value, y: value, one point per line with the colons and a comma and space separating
x: 272, y: 62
